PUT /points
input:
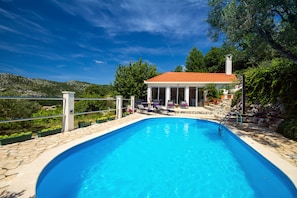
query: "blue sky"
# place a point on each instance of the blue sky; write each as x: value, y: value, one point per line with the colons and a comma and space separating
x: 86, y: 40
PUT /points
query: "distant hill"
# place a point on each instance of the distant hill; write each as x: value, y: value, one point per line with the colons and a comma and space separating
x: 13, y: 85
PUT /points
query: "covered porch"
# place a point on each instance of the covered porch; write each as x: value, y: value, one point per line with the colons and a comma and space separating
x: 192, y: 94
x: 185, y: 86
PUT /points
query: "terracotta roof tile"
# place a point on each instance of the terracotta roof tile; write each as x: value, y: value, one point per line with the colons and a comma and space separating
x: 192, y: 77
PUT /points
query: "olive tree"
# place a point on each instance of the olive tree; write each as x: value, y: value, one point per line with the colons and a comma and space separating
x: 254, y: 23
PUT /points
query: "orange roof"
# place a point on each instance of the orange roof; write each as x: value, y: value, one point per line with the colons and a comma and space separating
x: 192, y: 77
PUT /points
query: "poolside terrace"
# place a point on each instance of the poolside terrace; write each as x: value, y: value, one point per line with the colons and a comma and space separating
x: 22, y: 162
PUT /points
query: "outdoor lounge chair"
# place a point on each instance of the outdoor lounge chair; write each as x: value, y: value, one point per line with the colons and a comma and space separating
x: 184, y: 104
x: 143, y: 109
x: 156, y: 103
x: 162, y: 109
x: 170, y: 104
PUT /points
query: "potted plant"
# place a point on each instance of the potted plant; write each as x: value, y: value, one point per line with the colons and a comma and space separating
x: 126, y: 114
x: 82, y: 124
x: 49, y: 131
x: 111, y: 117
x: 16, y: 137
x: 101, y: 119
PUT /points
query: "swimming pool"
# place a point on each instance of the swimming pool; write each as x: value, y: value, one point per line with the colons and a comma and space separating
x: 163, y: 157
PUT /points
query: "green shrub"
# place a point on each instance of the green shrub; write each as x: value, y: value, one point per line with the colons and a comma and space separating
x: 111, y: 117
x: 51, y: 128
x: 126, y: 114
x: 15, y: 135
x: 273, y: 82
x: 288, y: 128
x: 213, y: 92
x: 102, y: 118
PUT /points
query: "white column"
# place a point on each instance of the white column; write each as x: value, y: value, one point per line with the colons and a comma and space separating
x: 68, y: 110
x: 187, y: 94
x: 119, y: 102
x: 149, y: 94
x: 167, y: 95
x: 197, y: 97
x: 132, y: 103
x: 205, y: 95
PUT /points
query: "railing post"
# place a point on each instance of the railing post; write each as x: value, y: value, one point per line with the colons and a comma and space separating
x: 119, y: 104
x: 68, y: 110
x: 132, y: 103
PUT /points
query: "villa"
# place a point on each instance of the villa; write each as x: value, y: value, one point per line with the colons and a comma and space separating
x: 187, y: 86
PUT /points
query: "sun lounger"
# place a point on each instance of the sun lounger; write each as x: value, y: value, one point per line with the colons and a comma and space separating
x: 162, y: 109
x: 170, y: 104
x: 143, y: 109
x: 184, y: 104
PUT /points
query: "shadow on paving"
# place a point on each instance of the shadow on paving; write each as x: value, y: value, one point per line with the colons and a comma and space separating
x: 13, y: 194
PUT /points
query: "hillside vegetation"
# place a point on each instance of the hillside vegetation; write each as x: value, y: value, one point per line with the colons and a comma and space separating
x: 13, y: 85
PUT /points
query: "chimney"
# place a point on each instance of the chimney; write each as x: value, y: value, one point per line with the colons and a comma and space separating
x: 228, y: 65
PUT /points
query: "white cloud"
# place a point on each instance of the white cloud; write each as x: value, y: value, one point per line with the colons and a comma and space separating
x: 173, y: 17
x: 5, y: 68
x: 99, y: 62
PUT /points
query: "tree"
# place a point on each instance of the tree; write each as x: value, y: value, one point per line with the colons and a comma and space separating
x: 17, y: 109
x: 215, y: 60
x: 195, y: 61
x: 99, y: 90
x: 179, y: 69
x: 95, y: 91
x: 256, y: 23
x: 129, y: 79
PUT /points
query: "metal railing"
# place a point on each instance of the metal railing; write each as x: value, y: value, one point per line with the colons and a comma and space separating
x: 66, y: 115
x: 29, y: 98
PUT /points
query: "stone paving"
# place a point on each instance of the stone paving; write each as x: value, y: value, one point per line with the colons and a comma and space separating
x: 14, y: 156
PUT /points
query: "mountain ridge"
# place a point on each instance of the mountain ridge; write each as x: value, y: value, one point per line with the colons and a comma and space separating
x: 15, y: 85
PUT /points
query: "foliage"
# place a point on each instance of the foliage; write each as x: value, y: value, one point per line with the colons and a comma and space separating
x: 236, y: 98
x: 16, y: 109
x: 95, y: 91
x: 215, y: 60
x: 51, y: 128
x: 212, y: 91
x: 102, y: 118
x: 111, y: 117
x: 179, y: 69
x: 195, y: 61
x: 11, y: 109
x: 254, y: 24
x: 84, y: 123
x: 15, y: 135
x: 99, y: 90
x: 14, y: 85
x: 288, y: 128
x: 48, y: 112
x: 129, y: 79
x: 273, y: 82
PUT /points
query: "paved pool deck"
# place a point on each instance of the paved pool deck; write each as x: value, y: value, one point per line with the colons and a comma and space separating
x: 21, y: 163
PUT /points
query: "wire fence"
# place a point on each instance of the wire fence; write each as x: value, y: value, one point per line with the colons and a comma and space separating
x: 110, y: 108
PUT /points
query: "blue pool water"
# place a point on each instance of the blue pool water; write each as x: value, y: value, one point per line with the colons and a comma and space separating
x: 163, y: 157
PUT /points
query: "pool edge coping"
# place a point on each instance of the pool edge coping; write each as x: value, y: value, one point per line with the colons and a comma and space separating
x: 288, y: 169
x: 27, y: 178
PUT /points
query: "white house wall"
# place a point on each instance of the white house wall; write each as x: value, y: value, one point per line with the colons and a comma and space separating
x: 168, y: 86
